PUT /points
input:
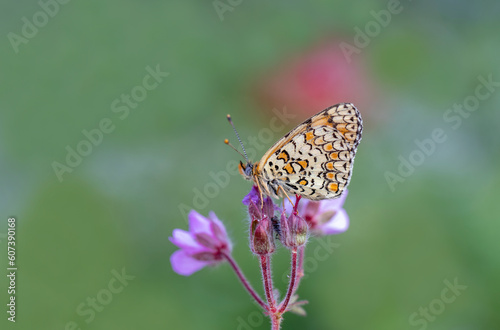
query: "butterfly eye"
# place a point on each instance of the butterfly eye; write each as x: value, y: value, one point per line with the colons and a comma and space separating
x: 245, y: 170
x: 249, y: 170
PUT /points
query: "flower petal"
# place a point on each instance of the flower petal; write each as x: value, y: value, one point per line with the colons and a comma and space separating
x: 253, y: 195
x: 198, y: 223
x: 333, y: 204
x: 310, y: 208
x: 183, y: 264
x: 268, y: 207
x: 253, y: 211
x: 186, y: 241
x: 338, y: 224
x: 220, y: 227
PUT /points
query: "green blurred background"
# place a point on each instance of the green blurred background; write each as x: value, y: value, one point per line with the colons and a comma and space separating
x: 116, y: 209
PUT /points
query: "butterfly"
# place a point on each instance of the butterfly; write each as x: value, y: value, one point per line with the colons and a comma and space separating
x: 314, y: 160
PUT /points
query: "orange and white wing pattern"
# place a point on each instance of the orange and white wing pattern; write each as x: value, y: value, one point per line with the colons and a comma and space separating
x: 315, y: 159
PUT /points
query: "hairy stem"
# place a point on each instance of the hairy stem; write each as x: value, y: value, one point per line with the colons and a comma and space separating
x: 291, y: 285
x: 300, y: 267
x: 265, y: 262
x: 276, y: 321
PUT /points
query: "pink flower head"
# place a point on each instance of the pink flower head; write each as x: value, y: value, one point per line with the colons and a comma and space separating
x: 326, y: 217
x: 204, y: 244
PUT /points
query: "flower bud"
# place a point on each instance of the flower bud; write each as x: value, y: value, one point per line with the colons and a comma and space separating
x: 254, y: 212
x: 301, y: 231
x: 261, y: 238
x: 293, y: 230
x: 285, y: 236
x: 268, y: 207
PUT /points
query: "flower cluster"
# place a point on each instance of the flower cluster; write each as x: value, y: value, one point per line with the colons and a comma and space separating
x: 207, y: 243
x: 291, y: 229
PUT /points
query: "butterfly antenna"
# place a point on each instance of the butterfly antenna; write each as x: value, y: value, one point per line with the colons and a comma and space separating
x: 226, y: 141
x: 238, y: 136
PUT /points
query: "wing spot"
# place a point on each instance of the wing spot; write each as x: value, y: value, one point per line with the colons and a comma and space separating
x: 322, y: 122
x: 333, y: 187
x: 284, y: 155
x: 303, y: 163
x: 289, y: 168
x: 309, y: 136
x: 350, y: 136
x: 342, y: 128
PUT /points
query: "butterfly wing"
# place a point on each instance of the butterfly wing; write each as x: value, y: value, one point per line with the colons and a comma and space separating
x: 315, y: 159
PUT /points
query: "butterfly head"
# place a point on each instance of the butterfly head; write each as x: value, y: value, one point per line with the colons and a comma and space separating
x: 246, y: 170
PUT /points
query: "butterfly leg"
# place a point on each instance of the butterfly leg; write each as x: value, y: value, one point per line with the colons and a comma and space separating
x: 280, y: 187
x: 260, y: 195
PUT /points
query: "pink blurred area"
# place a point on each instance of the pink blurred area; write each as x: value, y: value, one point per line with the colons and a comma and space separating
x: 314, y: 79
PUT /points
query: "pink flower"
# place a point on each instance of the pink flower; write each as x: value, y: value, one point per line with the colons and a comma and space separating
x: 326, y: 217
x: 206, y: 243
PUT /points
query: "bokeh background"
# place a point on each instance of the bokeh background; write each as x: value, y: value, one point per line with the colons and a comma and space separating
x: 116, y: 209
